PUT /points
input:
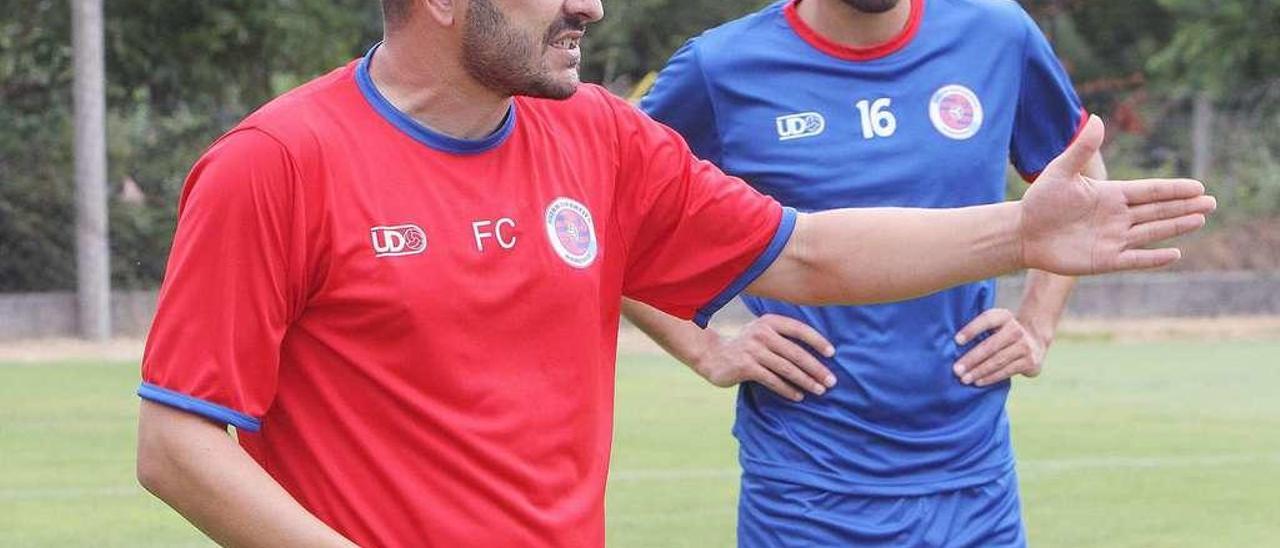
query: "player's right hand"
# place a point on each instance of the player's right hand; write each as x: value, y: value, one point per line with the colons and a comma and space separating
x: 767, y: 352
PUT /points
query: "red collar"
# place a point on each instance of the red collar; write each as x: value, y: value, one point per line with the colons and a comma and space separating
x: 830, y: 47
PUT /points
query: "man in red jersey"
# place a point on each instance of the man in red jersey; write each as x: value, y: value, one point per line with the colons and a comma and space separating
x: 400, y: 282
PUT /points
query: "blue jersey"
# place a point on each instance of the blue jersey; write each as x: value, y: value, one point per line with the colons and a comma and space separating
x: 929, y: 119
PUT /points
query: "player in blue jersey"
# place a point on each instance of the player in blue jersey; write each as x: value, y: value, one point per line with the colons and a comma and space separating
x: 854, y: 103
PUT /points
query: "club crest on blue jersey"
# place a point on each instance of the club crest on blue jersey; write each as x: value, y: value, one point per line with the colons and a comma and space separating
x: 804, y: 124
x: 571, y: 231
x: 398, y: 240
x: 955, y: 111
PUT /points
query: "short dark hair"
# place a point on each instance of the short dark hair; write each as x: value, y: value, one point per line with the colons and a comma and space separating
x: 395, y: 12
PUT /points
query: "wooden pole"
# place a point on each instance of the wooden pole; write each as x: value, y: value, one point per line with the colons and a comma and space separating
x: 1202, y: 136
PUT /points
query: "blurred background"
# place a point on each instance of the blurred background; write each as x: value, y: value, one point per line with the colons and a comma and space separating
x: 1187, y: 87
x: 1156, y: 423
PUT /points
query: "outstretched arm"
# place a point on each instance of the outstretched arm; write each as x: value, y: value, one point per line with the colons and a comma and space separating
x: 1067, y: 224
x: 195, y: 467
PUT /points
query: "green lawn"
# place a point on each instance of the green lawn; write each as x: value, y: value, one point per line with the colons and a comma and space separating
x: 1154, y: 444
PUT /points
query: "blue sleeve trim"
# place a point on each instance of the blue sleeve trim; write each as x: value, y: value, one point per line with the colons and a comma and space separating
x: 785, y: 227
x: 151, y: 392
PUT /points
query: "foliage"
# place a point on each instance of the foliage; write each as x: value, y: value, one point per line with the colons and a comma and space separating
x: 37, y: 228
x: 182, y: 71
x: 1222, y: 45
x: 179, y: 73
x: 638, y: 36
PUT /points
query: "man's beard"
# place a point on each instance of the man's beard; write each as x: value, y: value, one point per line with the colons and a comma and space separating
x: 872, y: 6
x: 505, y: 60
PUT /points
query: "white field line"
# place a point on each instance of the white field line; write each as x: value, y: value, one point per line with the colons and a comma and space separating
x: 1025, y: 467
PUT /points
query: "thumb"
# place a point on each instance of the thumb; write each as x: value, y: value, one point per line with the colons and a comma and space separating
x: 1076, y: 157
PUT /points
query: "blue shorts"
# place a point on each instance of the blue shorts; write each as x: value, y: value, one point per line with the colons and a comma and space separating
x: 773, y: 513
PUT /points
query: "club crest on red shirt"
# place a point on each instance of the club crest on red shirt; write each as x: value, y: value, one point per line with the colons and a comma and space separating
x: 571, y: 232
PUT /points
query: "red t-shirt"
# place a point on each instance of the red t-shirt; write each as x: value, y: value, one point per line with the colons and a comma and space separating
x: 415, y: 335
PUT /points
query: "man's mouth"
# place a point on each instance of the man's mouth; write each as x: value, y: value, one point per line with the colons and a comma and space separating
x: 568, y: 40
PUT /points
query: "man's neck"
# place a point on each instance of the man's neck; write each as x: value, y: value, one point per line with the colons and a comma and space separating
x: 841, y: 23
x: 421, y: 80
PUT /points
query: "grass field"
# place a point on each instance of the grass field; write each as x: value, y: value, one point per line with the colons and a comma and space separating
x: 1150, y: 444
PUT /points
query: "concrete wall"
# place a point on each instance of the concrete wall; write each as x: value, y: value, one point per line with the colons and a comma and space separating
x: 43, y: 315
x: 1143, y: 295
x: 1147, y: 295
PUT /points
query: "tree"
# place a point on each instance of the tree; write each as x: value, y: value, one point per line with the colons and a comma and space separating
x: 638, y: 36
x: 179, y: 73
x: 1222, y: 45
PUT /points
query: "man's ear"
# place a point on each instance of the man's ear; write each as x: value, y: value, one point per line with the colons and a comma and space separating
x: 443, y: 12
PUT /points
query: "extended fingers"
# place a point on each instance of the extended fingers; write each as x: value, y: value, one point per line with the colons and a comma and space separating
x: 1155, y: 231
x: 1143, y: 191
x: 1141, y: 259
x: 1172, y: 209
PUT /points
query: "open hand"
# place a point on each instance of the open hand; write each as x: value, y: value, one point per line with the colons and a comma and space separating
x: 1074, y: 225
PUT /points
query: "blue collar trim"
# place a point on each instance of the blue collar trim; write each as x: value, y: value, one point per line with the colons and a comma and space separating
x: 419, y: 132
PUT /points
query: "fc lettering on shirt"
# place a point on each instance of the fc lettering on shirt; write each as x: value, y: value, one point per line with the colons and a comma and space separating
x: 500, y: 230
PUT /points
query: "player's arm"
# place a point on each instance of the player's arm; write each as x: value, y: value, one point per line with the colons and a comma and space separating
x: 194, y: 466
x: 1018, y: 342
x: 1067, y: 224
x: 235, y: 277
x: 767, y: 351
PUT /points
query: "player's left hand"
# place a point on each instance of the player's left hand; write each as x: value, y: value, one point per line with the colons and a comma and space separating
x: 1073, y: 225
x: 1010, y: 350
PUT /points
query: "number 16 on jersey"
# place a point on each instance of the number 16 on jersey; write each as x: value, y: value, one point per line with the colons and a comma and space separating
x: 877, y: 119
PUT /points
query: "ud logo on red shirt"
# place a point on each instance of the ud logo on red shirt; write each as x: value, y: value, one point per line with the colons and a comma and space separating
x: 572, y: 234
x: 955, y: 111
x: 394, y: 241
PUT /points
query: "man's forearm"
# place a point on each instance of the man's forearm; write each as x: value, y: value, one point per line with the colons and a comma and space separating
x: 683, y: 340
x: 855, y: 256
x: 195, y: 467
x: 1043, y: 301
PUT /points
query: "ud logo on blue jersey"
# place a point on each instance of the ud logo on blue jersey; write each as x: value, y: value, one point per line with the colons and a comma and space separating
x: 572, y: 234
x: 955, y: 111
x: 397, y: 240
x: 804, y: 124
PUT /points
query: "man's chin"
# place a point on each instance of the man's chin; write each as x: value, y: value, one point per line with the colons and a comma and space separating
x: 558, y: 89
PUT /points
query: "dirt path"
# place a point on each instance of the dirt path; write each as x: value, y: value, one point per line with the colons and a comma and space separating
x: 52, y: 350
